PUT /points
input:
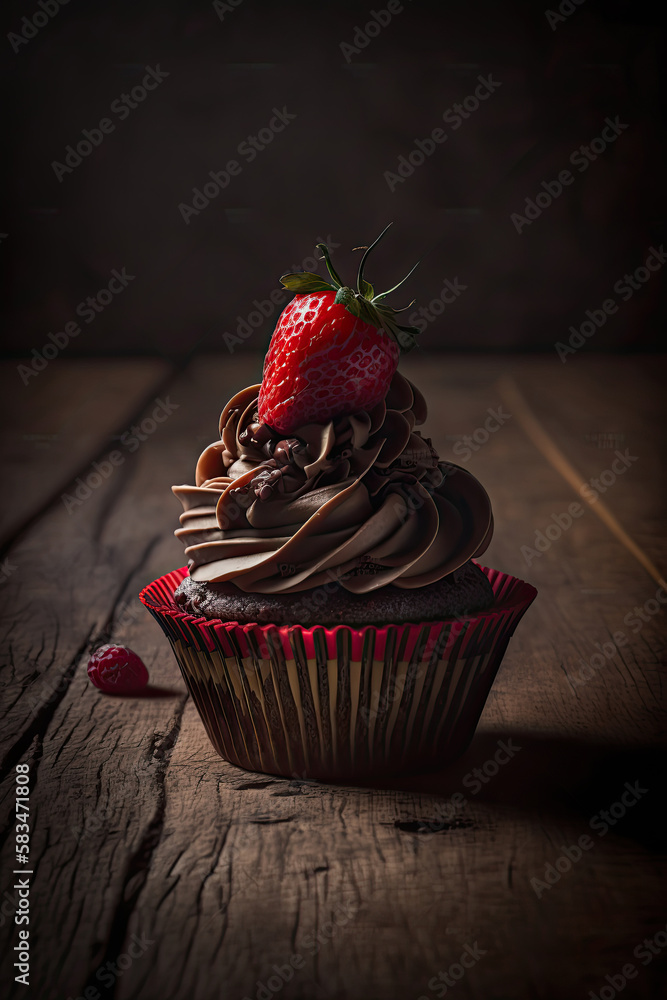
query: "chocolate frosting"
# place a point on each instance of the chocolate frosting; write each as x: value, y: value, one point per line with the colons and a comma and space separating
x: 361, y: 499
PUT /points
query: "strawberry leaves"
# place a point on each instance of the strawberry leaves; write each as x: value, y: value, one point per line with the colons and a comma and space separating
x: 305, y: 282
x: 362, y: 303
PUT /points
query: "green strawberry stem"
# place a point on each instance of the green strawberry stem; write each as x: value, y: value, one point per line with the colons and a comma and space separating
x: 362, y: 303
x: 362, y: 285
x: 330, y: 268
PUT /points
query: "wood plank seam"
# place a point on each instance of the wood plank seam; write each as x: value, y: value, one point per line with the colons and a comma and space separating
x: 24, y: 527
x: 548, y: 447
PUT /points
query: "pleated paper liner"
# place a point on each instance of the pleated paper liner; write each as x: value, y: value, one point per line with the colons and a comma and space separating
x: 340, y: 703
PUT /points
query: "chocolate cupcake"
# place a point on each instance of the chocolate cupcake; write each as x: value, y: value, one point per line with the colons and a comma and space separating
x: 331, y: 622
x: 462, y: 592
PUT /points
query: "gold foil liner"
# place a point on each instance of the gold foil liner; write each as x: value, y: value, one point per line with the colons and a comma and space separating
x: 340, y: 703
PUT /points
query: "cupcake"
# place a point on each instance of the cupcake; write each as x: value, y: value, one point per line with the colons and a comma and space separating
x: 331, y: 622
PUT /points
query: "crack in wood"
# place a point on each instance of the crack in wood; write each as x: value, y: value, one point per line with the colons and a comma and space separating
x: 254, y: 784
x: 45, y: 714
x: 106, y: 632
x: 138, y: 866
x: 433, y: 825
x: 33, y: 759
x: 29, y: 522
x: 267, y: 820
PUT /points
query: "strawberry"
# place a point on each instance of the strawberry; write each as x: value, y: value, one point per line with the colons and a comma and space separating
x: 333, y: 352
x: 117, y: 670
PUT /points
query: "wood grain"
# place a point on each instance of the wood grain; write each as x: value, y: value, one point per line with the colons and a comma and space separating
x: 59, y: 421
x: 140, y: 829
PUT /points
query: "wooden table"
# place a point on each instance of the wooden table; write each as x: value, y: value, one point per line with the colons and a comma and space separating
x: 198, y: 880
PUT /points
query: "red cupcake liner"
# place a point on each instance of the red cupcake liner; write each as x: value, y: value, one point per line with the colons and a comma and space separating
x: 340, y: 703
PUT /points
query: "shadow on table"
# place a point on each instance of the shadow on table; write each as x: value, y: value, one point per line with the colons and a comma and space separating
x: 533, y: 771
x: 150, y: 691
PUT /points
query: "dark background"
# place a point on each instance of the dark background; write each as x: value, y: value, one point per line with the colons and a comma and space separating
x: 323, y: 176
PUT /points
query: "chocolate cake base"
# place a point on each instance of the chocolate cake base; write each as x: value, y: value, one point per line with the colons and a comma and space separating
x: 464, y: 592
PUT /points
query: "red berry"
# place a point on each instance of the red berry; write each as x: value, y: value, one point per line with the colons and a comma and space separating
x: 117, y: 670
x: 323, y: 362
x: 333, y: 352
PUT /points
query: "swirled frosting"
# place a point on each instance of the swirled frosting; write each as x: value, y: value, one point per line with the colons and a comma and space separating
x: 361, y: 499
